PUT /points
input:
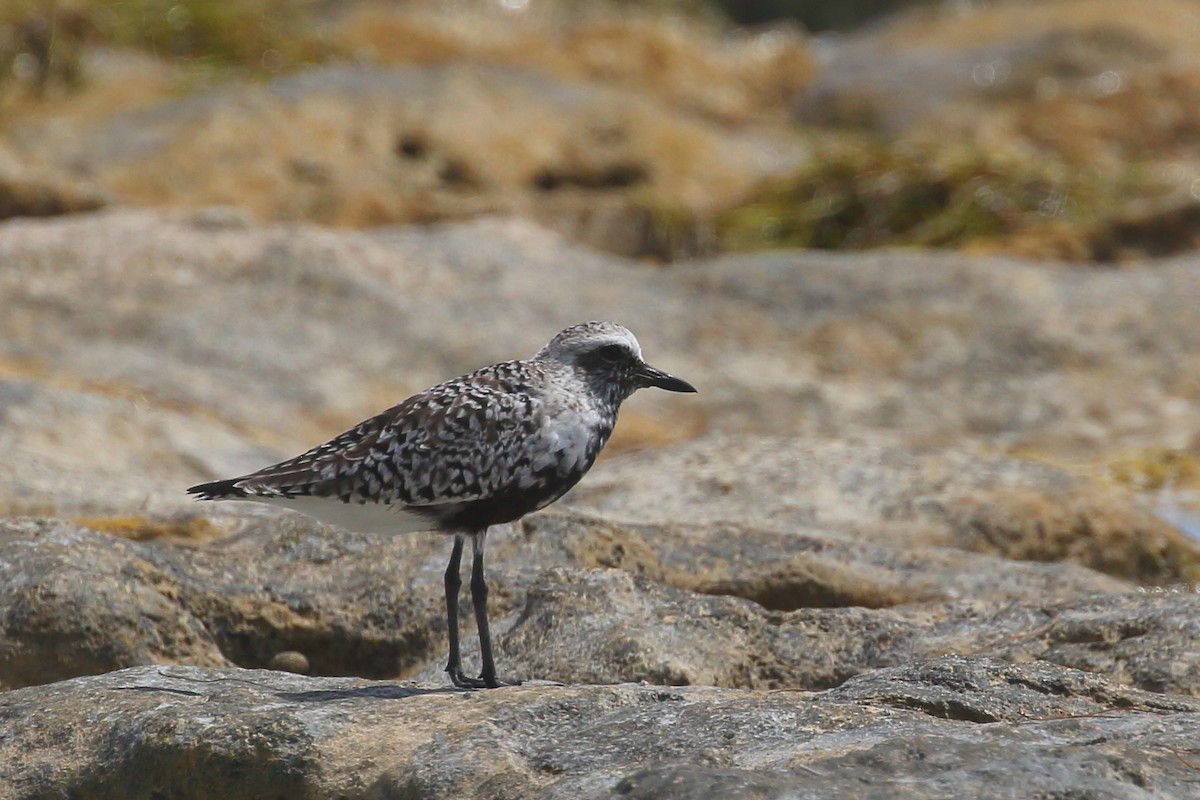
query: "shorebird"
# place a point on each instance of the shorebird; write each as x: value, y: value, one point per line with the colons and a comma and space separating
x: 476, y: 451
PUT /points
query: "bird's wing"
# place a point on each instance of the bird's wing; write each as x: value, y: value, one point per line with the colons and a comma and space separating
x: 463, y: 440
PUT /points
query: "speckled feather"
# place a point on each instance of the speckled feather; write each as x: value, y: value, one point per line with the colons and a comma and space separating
x: 478, y: 450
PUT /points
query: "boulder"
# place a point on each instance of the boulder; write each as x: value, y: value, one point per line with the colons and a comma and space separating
x: 370, y: 146
x: 895, y: 496
x: 609, y: 626
x: 1082, y: 80
x: 573, y: 599
x: 935, y: 728
x: 157, y: 327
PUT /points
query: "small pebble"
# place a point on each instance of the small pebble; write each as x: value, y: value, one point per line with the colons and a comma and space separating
x: 290, y: 661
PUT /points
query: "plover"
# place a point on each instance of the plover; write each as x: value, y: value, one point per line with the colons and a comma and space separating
x: 476, y: 451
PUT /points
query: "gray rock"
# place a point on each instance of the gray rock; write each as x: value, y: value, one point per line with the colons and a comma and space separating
x: 847, y: 523
x: 941, y: 349
x: 936, y: 729
x: 609, y: 626
x: 919, y: 71
x: 77, y: 602
x: 142, y: 352
x: 896, y: 496
x: 158, y: 329
x: 804, y: 566
x: 92, y: 449
x: 368, y: 146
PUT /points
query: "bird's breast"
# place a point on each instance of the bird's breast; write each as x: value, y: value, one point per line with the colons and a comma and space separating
x: 566, y: 446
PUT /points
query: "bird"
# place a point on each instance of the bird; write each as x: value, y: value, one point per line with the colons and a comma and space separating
x: 472, y: 452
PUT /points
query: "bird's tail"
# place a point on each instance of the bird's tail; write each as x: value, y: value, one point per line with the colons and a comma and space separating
x: 219, y: 490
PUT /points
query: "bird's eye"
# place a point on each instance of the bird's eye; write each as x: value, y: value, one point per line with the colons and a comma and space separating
x: 611, y: 353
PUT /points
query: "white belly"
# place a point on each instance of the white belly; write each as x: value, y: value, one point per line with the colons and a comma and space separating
x: 365, y: 518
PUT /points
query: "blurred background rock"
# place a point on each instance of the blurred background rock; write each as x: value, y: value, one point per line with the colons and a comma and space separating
x: 1058, y: 128
x: 932, y: 265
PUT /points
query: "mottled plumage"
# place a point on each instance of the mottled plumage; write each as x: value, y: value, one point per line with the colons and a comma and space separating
x: 475, y: 451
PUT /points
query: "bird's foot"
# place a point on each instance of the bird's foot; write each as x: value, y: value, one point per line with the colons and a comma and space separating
x: 498, y: 682
x: 463, y: 682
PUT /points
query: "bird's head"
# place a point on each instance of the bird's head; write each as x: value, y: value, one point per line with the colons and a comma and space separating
x: 609, y: 358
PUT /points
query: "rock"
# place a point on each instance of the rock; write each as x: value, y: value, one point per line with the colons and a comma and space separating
x: 984, y: 129
x: 941, y: 350
x: 805, y: 566
x: 607, y: 626
x: 997, y: 706
x: 996, y: 78
x: 140, y: 358
x: 77, y: 602
x: 365, y: 605
x: 689, y: 61
x: 960, y: 61
x: 613, y: 126
x: 374, y: 146
x: 895, y: 496
x: 156, y: 326
x: 26, y: 192
x: 1139, y: 639
x: 290, y: 661
x: 934, y: 727
x: 89, y: 448
x: 844, y: 551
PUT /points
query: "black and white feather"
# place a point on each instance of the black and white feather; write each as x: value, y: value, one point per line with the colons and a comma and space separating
x: 478, y: 450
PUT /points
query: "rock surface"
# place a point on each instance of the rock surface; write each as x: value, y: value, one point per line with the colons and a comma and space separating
x: 158, y: 325
x: 1077, y: 78
x: 363, y: 146
x: 31, y: 192
x: 572, y: 599
x: 873, y: 529
x: 875, y: 556
x: 936, y: 728
x: 895, y: 496
x: 609, y: 626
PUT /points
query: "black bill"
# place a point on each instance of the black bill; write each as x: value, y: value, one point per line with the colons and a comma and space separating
x: 649, y: 376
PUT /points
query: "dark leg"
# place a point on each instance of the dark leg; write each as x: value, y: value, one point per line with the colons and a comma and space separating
x: 453, y: 584
x: 479, y: 596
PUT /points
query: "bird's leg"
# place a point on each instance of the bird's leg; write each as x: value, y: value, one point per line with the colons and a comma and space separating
x: 453, y: 583
x: 479, y: 595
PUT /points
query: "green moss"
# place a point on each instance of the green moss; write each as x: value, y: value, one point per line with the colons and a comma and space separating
x: 1157, y: 468
x: 1172, y: 566
x: 256, y: 35
x: 865, y: 193
x: 268, y: 35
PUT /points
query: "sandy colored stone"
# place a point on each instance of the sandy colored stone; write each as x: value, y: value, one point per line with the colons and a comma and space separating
x: 1081, y: 79
x: 147, y: 337
x: 896, y: 496
x: 609, y: 626
x: 369, y: 146
x: 77, y: 601
x: 42, y: 193
x: 572, y: 599
x: 801, y: 567
x: 935, y: 728
x: 690, y: 60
